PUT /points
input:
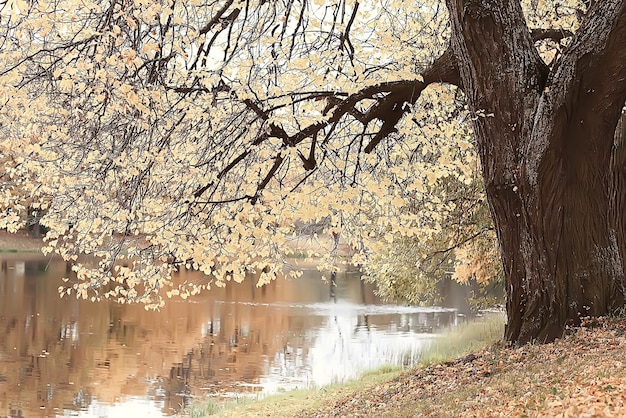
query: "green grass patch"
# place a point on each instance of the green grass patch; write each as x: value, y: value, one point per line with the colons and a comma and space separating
x: 464, y: 339
x: 200, y: 410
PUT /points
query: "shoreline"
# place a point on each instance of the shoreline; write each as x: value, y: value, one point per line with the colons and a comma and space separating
x: 19, y: 242
x: 22, y: 242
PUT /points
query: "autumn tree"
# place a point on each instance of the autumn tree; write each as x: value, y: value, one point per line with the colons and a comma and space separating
x: 196, y: 133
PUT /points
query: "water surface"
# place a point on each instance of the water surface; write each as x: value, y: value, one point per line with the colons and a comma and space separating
x: 64, y: 357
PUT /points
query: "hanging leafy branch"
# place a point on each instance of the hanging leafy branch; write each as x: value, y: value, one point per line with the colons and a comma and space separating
x: 168, y: 134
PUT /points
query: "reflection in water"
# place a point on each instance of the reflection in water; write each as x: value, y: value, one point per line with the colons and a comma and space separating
x: 75, y: 358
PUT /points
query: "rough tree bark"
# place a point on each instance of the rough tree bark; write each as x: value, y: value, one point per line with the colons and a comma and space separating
x: 554, y: 168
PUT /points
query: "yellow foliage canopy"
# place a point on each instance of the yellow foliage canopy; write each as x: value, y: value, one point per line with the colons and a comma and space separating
x: 155, y: 135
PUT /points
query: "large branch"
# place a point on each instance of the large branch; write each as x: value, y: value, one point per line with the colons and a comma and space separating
x: 389, y: 109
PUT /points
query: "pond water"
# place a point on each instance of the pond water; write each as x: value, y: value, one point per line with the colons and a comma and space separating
x: 64, y: 357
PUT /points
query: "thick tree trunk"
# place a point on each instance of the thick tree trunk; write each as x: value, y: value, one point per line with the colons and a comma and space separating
x: 552, y: 170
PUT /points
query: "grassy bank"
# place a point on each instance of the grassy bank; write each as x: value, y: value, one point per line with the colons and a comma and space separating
x: 449, y: 345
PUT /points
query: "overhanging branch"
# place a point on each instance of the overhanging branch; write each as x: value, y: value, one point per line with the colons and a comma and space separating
x: 389, y: 108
